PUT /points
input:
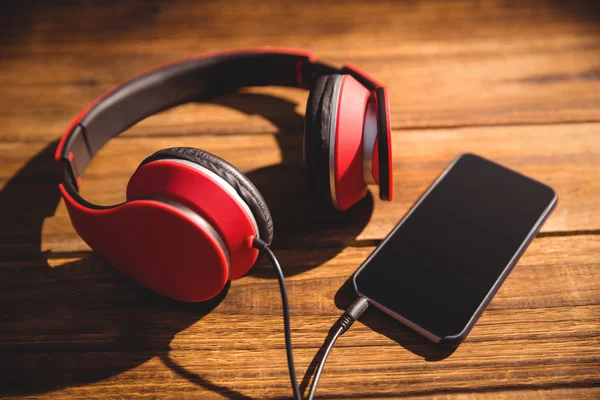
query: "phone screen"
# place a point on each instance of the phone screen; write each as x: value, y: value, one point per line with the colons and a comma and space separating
x: 440, y: 263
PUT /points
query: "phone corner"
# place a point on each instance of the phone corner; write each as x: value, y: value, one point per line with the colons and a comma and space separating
x: 554, y: 194
x: 468, y: 155
x: 454, y: 341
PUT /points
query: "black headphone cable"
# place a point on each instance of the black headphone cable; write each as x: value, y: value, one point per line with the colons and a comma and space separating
x: 338, y: 329
x: 342, y: 324
x: 264, y: 247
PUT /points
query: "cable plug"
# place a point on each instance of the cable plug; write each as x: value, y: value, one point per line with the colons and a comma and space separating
x: 353, y: 312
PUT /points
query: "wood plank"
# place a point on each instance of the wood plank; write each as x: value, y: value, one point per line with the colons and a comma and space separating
x: 592, y: 393
x: 517, y: 82
x: 127, y: 27
x: 82, y: 323
x: 518, y: 88
x: 534, y: 62
x: 569, y: 163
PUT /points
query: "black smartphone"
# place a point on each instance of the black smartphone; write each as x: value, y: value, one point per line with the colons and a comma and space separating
x: 441, y: 265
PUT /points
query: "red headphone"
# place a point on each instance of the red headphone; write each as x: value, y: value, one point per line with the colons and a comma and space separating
x: 190, y: 217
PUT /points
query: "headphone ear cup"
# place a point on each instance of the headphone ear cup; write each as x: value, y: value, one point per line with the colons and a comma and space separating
x: 162, y: 245
x: 333, y: 140
x: 316, y: 139
x: 235, y: 180
x: 200, y: 181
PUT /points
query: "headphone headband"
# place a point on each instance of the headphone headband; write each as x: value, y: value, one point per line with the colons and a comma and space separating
x: 179, y: 82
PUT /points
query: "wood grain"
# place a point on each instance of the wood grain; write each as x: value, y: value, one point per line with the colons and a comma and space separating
x: 539, y: 332
x: 569, y: 163
x: 517, y: 82
x: 531, y: 62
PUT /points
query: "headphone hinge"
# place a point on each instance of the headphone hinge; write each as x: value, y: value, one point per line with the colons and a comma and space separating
x: 310, y: 71
x: 70, y: 176
x: 361, y: 76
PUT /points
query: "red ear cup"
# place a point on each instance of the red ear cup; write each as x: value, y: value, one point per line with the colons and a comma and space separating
x: 231, y: 175
x: 200, y: 181
x: 333, y: 140
x: 166, y: 247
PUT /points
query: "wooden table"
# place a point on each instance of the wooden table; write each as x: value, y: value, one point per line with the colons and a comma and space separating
x: 518, y: 82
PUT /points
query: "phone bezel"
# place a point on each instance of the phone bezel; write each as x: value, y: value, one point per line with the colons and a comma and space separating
x: 460, y: 336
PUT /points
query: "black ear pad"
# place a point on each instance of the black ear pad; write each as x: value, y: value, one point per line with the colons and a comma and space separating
x: 319, y: 110
x: 242, y: 185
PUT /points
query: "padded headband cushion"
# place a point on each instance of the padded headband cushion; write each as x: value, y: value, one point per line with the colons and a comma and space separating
x: 242, y: 185
x: 319, y: 109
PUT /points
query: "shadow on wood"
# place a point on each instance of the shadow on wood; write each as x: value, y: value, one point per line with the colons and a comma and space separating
x: 85, y: 321
x: 387, y: 326
x: 77, y: 323
x: 383, y: 324
x: 299, y: 223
